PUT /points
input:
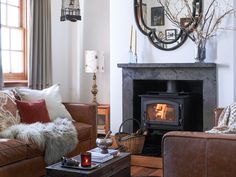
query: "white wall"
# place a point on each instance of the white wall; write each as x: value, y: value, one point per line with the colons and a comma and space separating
x: 119, y: 39
x: 96, y: 36
x: 234, y: 74
x: 225, y: 61
x: 65, y: 53
x: 120, y: 23
x: 105, y: 26
x: 69, y: 40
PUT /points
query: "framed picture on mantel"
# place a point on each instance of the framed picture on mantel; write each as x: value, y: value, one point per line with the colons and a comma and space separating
x: 157, y: 16
x: 170, y: 34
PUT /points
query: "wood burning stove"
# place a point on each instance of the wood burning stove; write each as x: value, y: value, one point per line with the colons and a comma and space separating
x: 162, y: 112
x: 169, y: 111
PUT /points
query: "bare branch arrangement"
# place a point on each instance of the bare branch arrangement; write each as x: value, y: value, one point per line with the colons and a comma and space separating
x: 201, y: 26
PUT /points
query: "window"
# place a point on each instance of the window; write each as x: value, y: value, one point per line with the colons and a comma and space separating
x: 14, y: 39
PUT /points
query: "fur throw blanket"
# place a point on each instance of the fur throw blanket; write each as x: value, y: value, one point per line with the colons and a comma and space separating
x: 56, y: 138
x: 227, y: 121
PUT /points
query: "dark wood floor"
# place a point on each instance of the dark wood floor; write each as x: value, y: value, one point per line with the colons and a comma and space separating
x: 137, y: 171
x: 143, y: 166
x: 146, y: 166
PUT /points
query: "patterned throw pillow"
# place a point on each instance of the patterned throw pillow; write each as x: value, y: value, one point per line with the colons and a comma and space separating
x: 8, y: 110
x: 52, y: 98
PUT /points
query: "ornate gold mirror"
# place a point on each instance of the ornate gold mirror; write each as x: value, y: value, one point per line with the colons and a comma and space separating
x: 167, y: 23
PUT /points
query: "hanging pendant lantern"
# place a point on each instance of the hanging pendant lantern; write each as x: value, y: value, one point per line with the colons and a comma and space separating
x: 70, y: 10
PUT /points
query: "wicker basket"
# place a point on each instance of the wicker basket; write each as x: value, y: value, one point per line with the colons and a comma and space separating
x: 133, y: 142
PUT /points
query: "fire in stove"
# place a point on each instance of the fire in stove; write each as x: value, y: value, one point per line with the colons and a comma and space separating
x: 161, y: 112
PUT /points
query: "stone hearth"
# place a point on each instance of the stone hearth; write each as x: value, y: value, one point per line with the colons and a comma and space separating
x: 197, y: 77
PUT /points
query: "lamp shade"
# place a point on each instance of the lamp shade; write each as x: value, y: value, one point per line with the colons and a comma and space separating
x: 94, y: 61
x: 101, y: 61
x: 91, y: 61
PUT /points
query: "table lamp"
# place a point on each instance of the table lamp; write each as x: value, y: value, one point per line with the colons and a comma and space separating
x: 94, y: 62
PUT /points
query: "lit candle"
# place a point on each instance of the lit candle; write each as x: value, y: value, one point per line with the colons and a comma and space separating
x: 86, y: 159
x: 135, y: 43
x: 131, y: 35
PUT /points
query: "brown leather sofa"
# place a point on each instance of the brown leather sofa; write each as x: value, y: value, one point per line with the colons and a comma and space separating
x: 198, y: 154
x: 22, y: 159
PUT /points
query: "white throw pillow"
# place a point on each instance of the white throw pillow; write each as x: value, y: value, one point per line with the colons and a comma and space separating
x: 52, y: 97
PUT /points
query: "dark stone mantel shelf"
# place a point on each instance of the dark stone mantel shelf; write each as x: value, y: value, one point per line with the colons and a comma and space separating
x: 166, y: 65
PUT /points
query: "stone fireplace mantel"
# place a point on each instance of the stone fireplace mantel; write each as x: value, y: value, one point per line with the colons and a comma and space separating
x: 167, y: 65
x: 203, y: 72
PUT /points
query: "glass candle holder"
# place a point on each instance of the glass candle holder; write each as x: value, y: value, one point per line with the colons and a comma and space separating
x: 85, y: 159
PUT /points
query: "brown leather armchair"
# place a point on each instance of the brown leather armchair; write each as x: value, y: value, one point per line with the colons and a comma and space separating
x: 24, y: 159
x: 199, y: 154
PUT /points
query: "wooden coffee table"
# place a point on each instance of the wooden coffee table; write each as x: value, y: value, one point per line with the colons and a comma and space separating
x: 116, y: 167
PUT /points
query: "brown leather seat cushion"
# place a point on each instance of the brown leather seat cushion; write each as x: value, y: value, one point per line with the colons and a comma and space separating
x: 12, y: 151
x: 15, y: 150
x: 84, y: 131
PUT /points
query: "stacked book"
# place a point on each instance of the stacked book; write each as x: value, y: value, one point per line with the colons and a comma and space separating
x: 101, y: 129
x: 97, y: 156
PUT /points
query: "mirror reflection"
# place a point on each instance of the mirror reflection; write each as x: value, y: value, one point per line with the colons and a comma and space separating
x: 166, y: 22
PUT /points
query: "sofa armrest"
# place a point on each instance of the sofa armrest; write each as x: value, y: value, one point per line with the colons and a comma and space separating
x: 85, y: 113
x: 198, y: 154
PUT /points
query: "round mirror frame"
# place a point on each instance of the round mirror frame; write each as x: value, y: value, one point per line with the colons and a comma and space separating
x: 151, y: 32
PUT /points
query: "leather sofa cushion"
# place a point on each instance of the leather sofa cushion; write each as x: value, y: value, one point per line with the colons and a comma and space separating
x: 199, y: 154
x: 84, y: 131
x: 33, y: 151
x: 12, y: 151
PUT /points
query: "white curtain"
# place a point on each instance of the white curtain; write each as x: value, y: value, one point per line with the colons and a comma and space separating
x: 40, y: 62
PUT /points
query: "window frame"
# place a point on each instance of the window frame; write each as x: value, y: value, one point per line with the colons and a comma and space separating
x: 15, y: 78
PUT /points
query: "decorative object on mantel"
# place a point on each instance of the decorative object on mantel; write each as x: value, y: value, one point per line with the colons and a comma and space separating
x: 133, y: 56
x: 202, y: 26
x: 130, y: 45
x: 135, y: 47
x: 70, y: 10
x: 94, y: 62
x: 150, y: 21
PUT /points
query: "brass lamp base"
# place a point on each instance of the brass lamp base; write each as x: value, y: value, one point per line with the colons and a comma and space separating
x: 94, y: 89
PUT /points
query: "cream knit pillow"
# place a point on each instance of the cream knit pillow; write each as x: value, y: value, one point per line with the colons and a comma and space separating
x: 52, y: 98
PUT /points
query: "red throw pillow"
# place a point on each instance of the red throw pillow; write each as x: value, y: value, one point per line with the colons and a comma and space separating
x: 33, y: 111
